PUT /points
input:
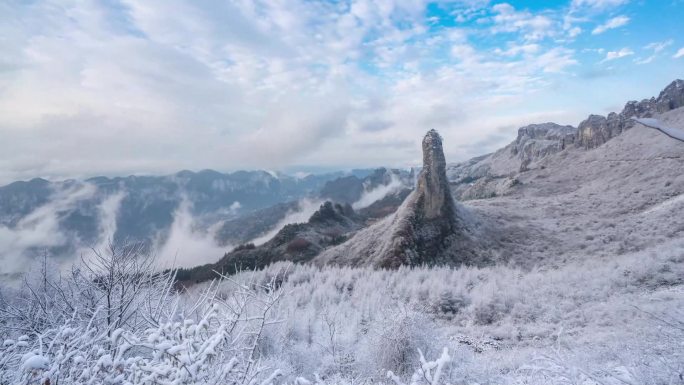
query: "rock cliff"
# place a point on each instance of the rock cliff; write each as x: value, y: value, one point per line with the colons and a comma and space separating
x: 428, y: 228
x: 498, y: 173
x: 597, y: 129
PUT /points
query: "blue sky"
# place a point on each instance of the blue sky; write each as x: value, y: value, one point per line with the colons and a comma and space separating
x: 117, y: 87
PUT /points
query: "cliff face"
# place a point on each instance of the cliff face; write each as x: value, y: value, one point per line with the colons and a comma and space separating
x: 433, y: 186
x: 498, y: 173
x: 428, y: 228
x: 536, y: 141
x: 671, y: 97
x: 597, y: 129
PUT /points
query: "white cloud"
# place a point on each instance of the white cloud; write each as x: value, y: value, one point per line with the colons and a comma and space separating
x: 305, y: 209
x: 574, y: 32
x: 40, y: 229
x: 556, y: 60
x: 515, y: 50
x: 159, y: 86
x: 108, y: 212
x: 659, y: 45
x: 464, y: 52
x: 612, y: 55
x: 656, y: 48
x: 646, y: 60
x: 679, y: 53
x: 598, y: 4
x: 187, y: 244
x: 533, y: 27
x: 373, y: 195
x: 235, y: 206
x: 613, y: 23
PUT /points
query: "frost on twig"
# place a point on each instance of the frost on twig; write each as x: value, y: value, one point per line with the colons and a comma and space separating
x: 428, y: 373
x: 117, y: 321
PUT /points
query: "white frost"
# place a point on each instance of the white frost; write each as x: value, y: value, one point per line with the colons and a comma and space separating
x: 35, y: 362
x: 656, y: 124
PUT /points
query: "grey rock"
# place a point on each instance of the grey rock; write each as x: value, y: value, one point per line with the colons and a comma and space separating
x: 536, y: 141
x: 671, y: 97
x: 597, y: 129
x: 492, y: 175
x: 433, y: 186
x: 428, y: 228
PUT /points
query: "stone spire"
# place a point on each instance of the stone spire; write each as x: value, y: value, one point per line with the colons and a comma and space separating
x: 428, y: 228
x: 432, y: 182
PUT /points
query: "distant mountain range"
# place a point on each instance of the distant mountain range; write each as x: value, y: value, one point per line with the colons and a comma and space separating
x: 558, y: 174
x: 62, y: 217
x: 556, y: 192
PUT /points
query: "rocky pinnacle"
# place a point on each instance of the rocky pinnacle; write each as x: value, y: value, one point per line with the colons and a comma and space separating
x: 433, y: 186
x: 426, y: 229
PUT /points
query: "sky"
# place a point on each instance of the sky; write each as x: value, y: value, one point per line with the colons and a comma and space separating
x: 150, y: 87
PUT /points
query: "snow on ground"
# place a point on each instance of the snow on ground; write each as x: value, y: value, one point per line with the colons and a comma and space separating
x: 593, y: 295
x: 669, y: 131
x: 589, y: 315
x: 599, y: 203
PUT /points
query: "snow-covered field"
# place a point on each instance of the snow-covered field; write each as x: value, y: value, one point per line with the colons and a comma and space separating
x: 591, y: 292
x: 587, y: 322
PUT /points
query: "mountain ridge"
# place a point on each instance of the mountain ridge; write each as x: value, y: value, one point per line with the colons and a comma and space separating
x: 494, y: 174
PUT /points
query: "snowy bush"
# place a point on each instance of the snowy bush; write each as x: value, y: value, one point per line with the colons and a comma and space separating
x: 589, y: 321
x: 127, y: 326
x: 218, y: 348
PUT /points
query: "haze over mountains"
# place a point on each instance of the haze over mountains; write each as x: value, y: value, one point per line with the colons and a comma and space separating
x: 206, y: 214
x: 546, y: 197
x: 346, y: 192
x: 188, y: 212
x: 560, y: 259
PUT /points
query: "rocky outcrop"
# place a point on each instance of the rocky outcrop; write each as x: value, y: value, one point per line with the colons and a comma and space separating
x: 428, y: 228
x: 433, y: 187
x: 597, y: 129
x: 671, y: 97
x: 430, y: 211
x: 488, y: 187
x: 539, y: 140
x: 495, y: 174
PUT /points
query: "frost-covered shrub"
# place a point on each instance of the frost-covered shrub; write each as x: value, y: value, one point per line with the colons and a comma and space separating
x: 448, y: 304
x: 428, y: 372
x: 490, y: 304
x: 115, y: 320
x: 216, y: 344
x: 587, y: 321
x: 401, y: 336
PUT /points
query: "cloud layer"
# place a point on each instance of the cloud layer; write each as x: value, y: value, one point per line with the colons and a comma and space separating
x: 121, y: 87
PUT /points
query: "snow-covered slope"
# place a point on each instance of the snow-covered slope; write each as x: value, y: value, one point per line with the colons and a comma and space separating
x: 625, y: 195
x: 658, y: 125
x: 494, y: 174
x: 428, y: 228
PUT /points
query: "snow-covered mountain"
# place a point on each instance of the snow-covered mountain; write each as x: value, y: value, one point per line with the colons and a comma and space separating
x: 494, y: 174
x: 428, y: 228
x: 544, y: 198
x: 209, y: 209
x: 571, y: 271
